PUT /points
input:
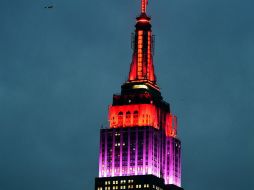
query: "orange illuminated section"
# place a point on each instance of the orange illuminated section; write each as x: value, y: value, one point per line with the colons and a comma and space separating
x: 142, y: 59
x: 133, y: 70
x: 148, y: 54
x: 134, y: 115
x: 140, y: 53
x: 171, y: 125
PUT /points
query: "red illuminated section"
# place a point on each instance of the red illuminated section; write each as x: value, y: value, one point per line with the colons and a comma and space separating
x: 150, y: 69
x: 142, y: 60
x: 140, y: 54
x: 142, y: 77
x: 134, y: 115
x: 133, y: 70
x: 171, y: 125
x: 140, y: 115
x: 143, y: 5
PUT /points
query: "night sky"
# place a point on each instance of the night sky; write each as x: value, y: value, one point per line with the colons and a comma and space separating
x: 60, y: 67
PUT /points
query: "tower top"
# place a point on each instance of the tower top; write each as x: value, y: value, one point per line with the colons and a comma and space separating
x: 143, y: 6
x: 142, y: 68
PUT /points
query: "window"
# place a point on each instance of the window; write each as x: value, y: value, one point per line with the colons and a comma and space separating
x: 120, y: 119
x: 128, y: 118
x: 135, y: 118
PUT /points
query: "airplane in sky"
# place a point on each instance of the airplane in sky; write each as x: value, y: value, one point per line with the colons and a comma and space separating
x: 49, y: 7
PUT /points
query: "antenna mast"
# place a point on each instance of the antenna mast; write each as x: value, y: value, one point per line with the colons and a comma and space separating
x: 143, y: 5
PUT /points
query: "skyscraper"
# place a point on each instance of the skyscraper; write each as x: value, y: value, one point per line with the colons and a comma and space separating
x: 140, y: 148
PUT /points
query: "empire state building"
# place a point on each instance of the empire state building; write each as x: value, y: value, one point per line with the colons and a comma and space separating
x: 140, y: 149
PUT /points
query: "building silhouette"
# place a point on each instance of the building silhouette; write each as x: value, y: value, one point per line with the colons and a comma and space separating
x: 140, y: 148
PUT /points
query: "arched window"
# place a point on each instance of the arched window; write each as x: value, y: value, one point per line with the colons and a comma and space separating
x: 113, y: 121
x: 120, y: 118
x: 128, y: 118
x: 135, y: 118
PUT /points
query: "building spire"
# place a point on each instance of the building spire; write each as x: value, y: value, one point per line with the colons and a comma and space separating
x: 142, y: 69
x: 143, y: 5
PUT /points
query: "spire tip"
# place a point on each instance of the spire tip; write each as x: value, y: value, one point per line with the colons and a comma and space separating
x: 143, y: 5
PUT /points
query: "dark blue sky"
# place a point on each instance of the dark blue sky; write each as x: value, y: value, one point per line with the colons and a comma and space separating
x: 60, y: 67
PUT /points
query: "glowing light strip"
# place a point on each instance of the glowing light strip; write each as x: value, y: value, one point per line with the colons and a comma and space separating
x: 140, y: 86
x: 143, y: 20
x: 140, y: 53
x: 143, y: 6
x: 148, y: 54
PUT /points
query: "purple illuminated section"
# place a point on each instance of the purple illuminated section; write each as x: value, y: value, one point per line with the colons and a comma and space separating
x: 172, y: 161
x: 130, y: 151
x: 140, y: 151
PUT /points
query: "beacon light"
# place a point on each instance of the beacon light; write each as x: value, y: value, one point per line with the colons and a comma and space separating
x: 142, y: 86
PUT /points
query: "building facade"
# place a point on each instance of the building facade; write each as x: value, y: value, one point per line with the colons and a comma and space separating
x: 140, y: 148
